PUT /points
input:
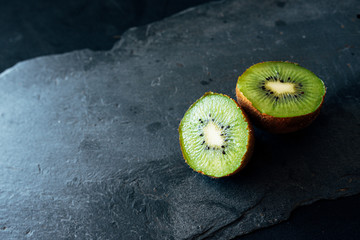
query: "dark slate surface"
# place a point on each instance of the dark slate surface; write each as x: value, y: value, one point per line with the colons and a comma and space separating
x: 89, y: 145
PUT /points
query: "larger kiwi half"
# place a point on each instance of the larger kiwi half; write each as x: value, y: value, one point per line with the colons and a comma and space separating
x: 281, y: 97
x: 216, y: 138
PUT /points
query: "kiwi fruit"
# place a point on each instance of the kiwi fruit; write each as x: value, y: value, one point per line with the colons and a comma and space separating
x: 216, y: 138
x: 280, y: 97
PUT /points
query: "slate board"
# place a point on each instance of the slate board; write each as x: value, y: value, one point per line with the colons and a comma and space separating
x: 89, y: 142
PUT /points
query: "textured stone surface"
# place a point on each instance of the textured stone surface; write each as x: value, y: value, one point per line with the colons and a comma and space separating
x: 89, y: 142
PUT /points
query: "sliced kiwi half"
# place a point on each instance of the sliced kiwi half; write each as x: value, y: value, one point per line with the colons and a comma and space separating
x: 216, y: 138
x: 281, y: 97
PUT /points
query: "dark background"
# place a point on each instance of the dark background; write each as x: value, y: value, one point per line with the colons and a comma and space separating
x: 36, y: 28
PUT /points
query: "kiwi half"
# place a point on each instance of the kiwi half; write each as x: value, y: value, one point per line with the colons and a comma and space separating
x: 216, y: 138
x: 280, y: 97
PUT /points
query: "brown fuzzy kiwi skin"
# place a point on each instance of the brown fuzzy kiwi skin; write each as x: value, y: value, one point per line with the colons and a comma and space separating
x: 250, y: 144
x: 273, y: 124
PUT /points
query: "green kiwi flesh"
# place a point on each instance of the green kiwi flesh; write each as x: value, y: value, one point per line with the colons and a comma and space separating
x: 215, y: 136
x: 281, y: 89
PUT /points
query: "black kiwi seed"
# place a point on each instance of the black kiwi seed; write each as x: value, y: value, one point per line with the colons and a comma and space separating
x: 302, y: 93
x: 223, y: 152
x: 213, y: 120
x: 271, y: 92
x: 288, y: 78
x: 222, y: 126
x: 201, y: 135
x: 281, y: 80
x: 208, y: 148
x: 209, y: 114
x: 228, y: 127
x: 263, y: 88
x: 300, y: 85
x: 203, y: 143
x: 223, y: 146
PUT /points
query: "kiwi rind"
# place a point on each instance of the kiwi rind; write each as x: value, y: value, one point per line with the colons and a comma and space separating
x: 276, y: 124
x: 250, y: 143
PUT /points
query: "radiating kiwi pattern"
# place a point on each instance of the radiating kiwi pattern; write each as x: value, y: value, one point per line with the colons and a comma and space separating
x: 281, y: 97
x: 215, y: 136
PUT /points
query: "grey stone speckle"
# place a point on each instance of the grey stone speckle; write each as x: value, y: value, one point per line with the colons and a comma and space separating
x: 103, y: 135
x: 153, y: 127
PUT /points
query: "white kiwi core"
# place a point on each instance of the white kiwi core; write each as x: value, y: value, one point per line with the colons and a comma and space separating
x: 213, y: 136
x: 281, y: 87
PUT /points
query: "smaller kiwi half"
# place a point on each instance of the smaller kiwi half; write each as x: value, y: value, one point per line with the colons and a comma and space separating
x: 280, y: 97
x: 216, y: 138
